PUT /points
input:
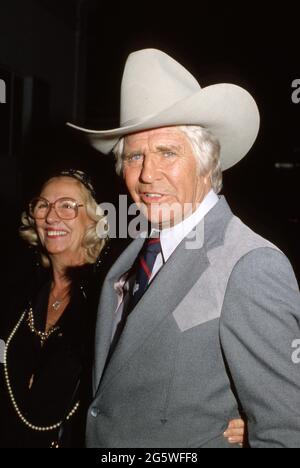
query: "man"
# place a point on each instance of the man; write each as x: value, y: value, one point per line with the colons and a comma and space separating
x: 196, y: 324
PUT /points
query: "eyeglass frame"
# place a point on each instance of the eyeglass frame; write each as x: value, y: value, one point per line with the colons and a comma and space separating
x: 52, y: 205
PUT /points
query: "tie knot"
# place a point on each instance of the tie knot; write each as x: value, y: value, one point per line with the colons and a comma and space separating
x: 153, y: 245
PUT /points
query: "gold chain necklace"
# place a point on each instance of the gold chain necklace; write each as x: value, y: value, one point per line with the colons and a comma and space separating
x: 43, y: 336
x: 57, y: 301
x: 11, y: 394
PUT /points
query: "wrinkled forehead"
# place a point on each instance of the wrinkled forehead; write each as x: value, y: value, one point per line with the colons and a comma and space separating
x: 152, y: 139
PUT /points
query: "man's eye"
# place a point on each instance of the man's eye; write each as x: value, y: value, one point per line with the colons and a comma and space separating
x: 134, y: 157
x: 169, y: 154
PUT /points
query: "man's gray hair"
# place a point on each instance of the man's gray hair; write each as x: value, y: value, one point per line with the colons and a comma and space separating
x: 206, y: 149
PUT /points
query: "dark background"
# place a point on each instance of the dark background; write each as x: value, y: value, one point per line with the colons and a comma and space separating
x: 62, y: 60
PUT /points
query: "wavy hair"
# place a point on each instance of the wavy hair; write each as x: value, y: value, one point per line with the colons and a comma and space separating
x: 92, y: 243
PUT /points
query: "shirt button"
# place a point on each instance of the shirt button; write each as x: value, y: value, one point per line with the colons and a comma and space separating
x: 95, y: 412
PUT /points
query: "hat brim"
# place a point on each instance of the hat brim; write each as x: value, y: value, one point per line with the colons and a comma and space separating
x: 228, y: 111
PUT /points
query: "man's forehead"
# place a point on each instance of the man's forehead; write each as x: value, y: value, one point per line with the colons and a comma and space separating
x: 166, y: 135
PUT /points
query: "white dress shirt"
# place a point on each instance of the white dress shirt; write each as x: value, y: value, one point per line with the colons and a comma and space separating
x: 170, y: 239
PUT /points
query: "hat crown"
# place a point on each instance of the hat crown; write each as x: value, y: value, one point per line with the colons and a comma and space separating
x: 152, y: 82
x: 158, y: 92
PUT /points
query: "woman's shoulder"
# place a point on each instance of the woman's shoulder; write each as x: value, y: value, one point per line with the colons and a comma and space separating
x: 94, y: 274
x: 20, y: 290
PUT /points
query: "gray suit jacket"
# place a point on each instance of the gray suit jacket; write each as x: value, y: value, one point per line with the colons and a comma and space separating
x: 211, y: 336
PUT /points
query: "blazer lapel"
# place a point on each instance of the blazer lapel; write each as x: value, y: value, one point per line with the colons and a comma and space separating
x: 108, y: 305
x: 163, y: 296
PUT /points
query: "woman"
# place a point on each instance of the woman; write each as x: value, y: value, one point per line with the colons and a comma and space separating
x: 49, y: 343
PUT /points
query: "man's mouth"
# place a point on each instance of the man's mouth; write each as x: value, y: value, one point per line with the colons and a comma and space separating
x: 151, y: 197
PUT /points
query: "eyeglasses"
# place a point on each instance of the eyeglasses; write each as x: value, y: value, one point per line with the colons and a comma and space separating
x: 65, y: 208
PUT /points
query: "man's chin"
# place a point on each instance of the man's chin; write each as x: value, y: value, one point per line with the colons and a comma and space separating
x: 163, y: 216
x: 161, y: 222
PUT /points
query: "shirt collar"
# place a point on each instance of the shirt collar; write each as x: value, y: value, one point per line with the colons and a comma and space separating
x: 170, y: 238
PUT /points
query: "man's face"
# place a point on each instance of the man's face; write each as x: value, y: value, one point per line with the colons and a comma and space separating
x: 162, y: 175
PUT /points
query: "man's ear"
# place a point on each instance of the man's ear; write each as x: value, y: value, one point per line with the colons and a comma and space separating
x: 207, y: 178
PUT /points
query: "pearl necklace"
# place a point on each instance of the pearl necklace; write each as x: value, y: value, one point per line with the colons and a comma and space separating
x: 12, y: 397
x: 43, y: 336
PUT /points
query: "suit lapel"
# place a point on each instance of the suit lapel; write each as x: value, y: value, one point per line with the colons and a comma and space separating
x: 108, y: 305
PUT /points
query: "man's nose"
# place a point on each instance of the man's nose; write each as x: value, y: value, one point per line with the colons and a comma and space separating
x: 150, y: 169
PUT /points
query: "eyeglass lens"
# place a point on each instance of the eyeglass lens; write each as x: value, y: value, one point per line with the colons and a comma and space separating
x: 65, y: 208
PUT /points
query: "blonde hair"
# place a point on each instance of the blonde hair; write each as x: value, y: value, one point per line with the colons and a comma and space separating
x: 92, y: 243
x: 206, y: 149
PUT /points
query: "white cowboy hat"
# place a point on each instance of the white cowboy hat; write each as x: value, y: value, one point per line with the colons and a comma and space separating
x: 157, y: 91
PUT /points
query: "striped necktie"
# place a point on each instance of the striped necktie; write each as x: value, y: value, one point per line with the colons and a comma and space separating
x: 144, y: 267
x: 146, y: 261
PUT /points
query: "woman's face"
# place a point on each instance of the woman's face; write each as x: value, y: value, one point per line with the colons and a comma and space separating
x: 62, y: 239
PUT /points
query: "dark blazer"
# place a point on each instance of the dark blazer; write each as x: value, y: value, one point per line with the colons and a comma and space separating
x: 61, y: 368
